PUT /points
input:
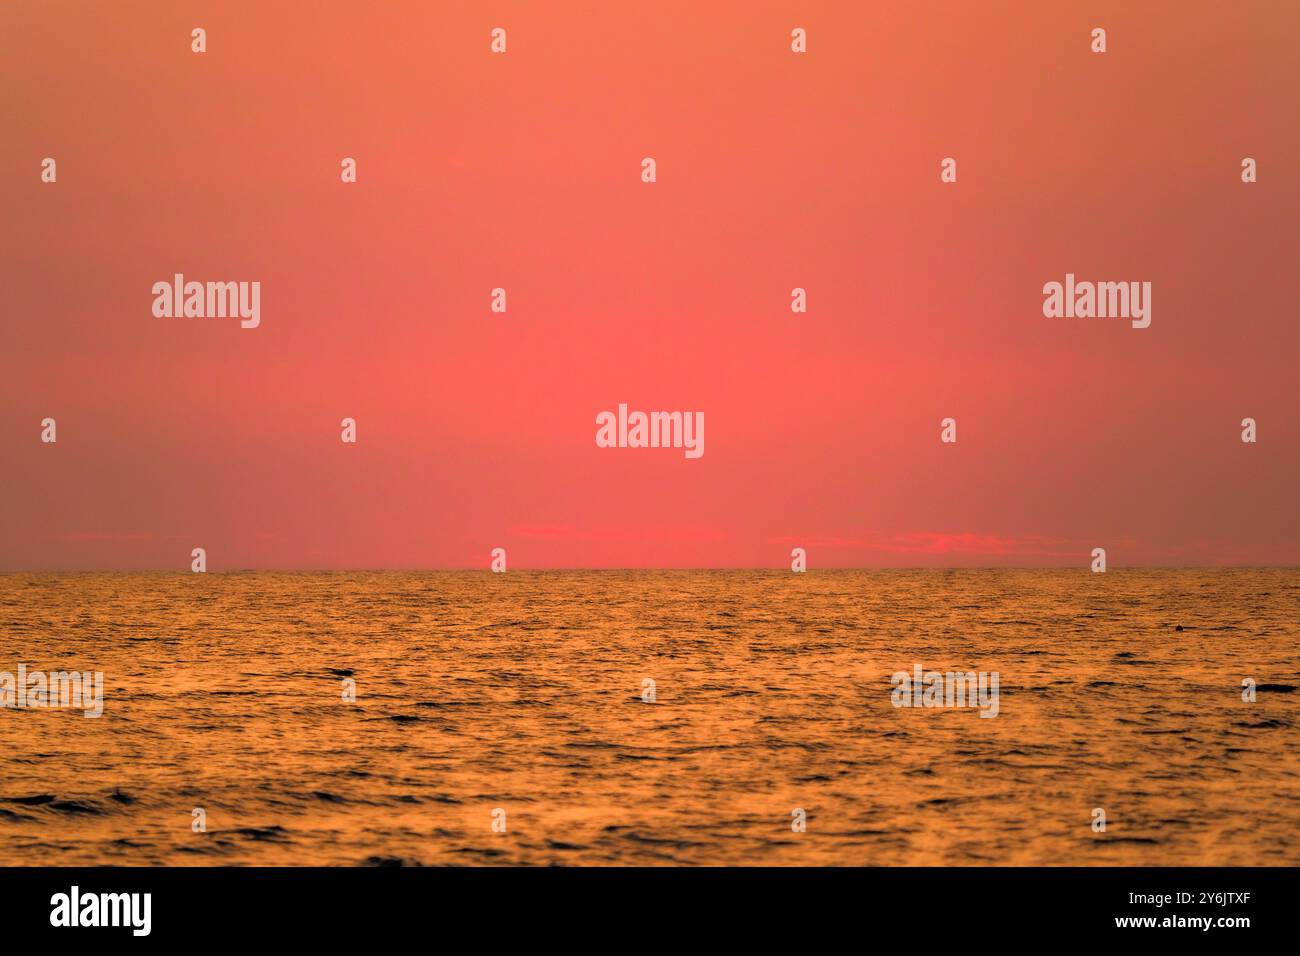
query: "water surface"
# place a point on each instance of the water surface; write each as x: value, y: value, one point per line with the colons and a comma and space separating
x: 524, y: 692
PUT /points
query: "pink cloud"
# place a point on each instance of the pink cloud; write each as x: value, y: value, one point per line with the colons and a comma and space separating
x: 946, y: 543
x: 570, y: 533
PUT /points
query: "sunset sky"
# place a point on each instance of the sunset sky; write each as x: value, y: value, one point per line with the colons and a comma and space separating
x: 522, y: 170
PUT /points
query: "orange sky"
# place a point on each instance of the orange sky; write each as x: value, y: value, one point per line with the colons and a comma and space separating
x: 522, y: 170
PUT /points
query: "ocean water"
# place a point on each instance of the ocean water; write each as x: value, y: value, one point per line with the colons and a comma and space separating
x: 523, y: 693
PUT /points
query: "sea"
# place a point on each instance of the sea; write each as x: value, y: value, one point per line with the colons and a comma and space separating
x: 692, y: 717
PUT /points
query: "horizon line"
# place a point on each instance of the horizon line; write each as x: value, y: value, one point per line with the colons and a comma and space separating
x: 784, y: 570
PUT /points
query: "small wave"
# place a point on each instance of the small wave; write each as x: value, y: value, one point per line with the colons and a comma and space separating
x: 272, y: 834
x: 74, y: 807
x: 389, y: 861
